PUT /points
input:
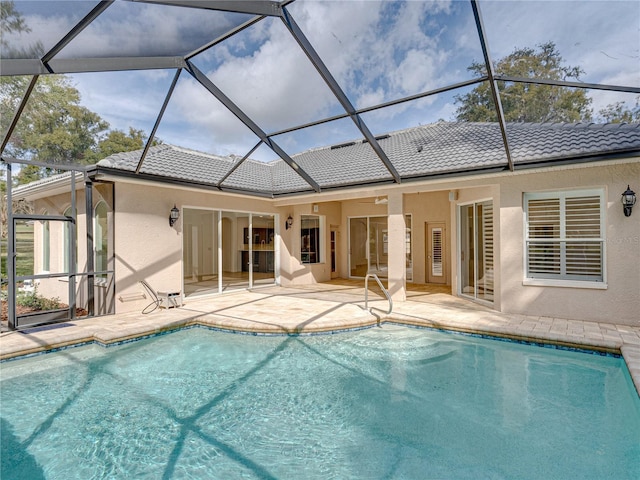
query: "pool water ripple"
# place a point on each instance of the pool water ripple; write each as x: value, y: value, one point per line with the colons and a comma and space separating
x: 390, y: 402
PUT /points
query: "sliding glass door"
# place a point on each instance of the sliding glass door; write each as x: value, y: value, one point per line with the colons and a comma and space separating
x: 235, y: 247
x: 369, y: 246
x: 227, y: 250
x: 262, y: 249
x: 200, y: 251
x: 476, y: 250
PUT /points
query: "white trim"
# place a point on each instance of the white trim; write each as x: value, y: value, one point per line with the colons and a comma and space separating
x: 95, y: 236
x: 545, y: 282
x: 46, y: 244
x: 408, y: 274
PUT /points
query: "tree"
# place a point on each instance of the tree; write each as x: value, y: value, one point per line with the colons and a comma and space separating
x: 619, y: 112
x: 528, y: 102
x: 53, y: 127
x: 116, y: 141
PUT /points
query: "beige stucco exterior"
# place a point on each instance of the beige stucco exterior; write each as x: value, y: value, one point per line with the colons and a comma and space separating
x: 145, y: 247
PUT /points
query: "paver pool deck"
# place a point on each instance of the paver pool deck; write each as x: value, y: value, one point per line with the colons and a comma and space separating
x: 329, y: 307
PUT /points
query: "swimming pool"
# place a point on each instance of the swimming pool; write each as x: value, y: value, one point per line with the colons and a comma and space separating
x: 391, y: 402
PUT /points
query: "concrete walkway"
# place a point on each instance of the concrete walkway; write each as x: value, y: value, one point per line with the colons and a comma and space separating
x: 330, y: 307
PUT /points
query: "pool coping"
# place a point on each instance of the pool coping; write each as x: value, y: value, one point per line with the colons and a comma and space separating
x: 249, y: 314
x: 630, y: 353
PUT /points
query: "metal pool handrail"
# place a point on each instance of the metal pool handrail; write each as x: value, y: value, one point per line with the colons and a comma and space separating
x: 384, y: 290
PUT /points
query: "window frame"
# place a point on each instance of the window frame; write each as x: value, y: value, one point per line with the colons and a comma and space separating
x: 103, y: 254
x: 45, y: 267
x: 562, y: 196
x: 68, y: 242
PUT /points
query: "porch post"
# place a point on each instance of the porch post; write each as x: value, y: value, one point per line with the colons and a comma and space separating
x: 11, y: 254
x: 397, y: 248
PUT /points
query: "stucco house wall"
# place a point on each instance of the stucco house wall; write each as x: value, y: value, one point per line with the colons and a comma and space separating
x: 57, y: 205
x: 147, y: 248
x: 428, y: 207
x: 293, y: 271
x: 619, y: 302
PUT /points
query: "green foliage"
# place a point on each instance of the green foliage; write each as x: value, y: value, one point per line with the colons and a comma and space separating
x: 24, y: 249
x: 27, y: 174
x: 53, y: 127
x: 117, y: 141
x: 37, y: 302
x: 527, y: 102
x: 620, y: 113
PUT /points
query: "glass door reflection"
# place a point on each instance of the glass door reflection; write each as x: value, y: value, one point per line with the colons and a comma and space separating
x: 262, y: 251
x: 200, y: 251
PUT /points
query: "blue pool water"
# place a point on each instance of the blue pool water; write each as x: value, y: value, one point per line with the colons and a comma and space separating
x: 384, y: 403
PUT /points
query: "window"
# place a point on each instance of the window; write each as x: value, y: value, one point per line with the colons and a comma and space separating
x: 565, y: 236
x: 67, y: 243
x: 310, y: 239
x: 101, y: 239
x: 46, y: 244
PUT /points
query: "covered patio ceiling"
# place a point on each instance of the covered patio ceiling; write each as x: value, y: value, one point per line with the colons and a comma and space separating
x: 200, y: 38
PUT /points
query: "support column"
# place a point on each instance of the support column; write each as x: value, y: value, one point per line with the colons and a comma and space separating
x: 88, y: 208
x: 397, y: 248
x: 11, y: 254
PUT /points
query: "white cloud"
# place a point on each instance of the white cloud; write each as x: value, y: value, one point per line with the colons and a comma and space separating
x: 377, y: 51
x: 601, y: 37
x: 417, y: 72
x: 193, y: 109
x: 124, y: 99
x: 276, y: 86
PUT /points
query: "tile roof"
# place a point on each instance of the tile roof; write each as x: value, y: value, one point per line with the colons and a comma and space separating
x: 416, y: 152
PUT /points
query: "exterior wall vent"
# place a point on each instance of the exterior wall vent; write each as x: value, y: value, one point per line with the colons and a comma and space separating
x: 381, y: 137
x: 342, y: 145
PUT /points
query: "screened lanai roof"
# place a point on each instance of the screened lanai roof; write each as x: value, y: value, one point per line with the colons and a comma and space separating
x: 260, y: 81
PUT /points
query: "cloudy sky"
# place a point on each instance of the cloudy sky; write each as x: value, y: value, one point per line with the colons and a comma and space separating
x: 377, y: 51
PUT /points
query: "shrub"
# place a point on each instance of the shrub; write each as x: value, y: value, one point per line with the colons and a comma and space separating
x: 37, y: 302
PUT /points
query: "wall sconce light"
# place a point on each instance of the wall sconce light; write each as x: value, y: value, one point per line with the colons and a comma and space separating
x: 288, y: 223
x: 174, y: 215
x: 628, y: 200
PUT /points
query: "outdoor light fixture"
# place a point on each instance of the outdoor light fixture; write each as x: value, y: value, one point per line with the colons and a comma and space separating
x: 628, y: 200
x: 174, y: 215
x: 288, y: 223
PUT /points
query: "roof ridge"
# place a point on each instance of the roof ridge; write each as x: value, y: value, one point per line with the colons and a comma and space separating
x: 592, y: 125
x: 45, y: 180
x: 200, y: 153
